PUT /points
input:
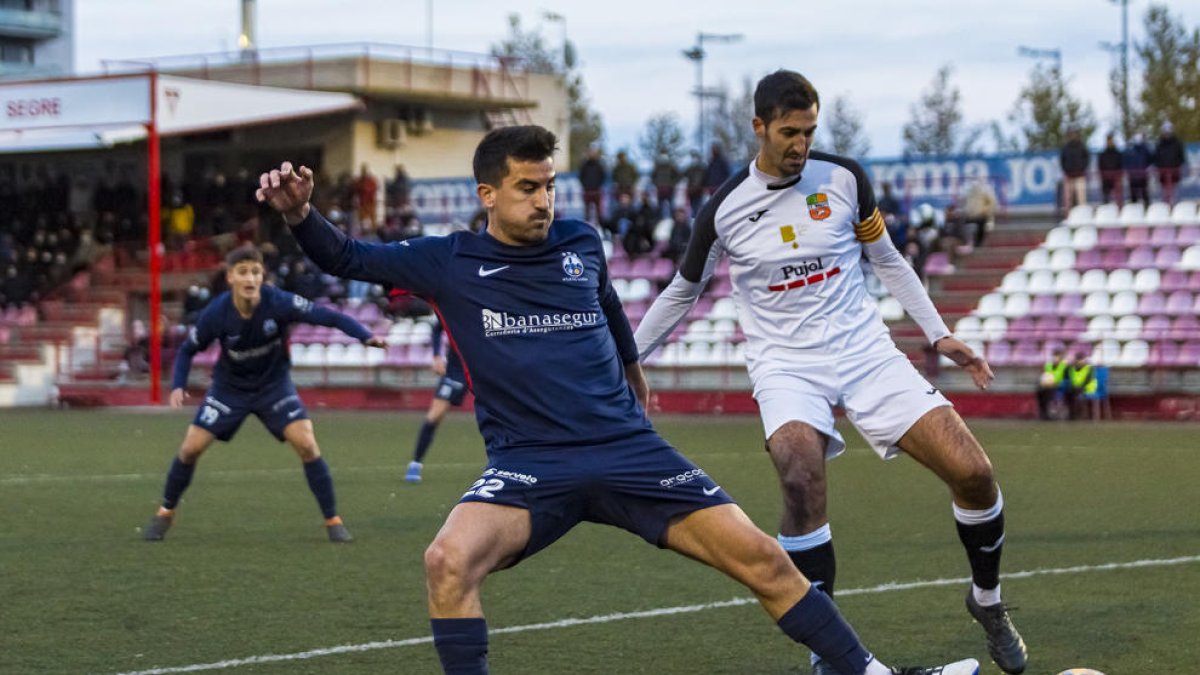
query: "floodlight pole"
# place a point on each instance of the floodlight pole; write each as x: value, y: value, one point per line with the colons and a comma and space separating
x: 154, y: 199
x: 697, y: 54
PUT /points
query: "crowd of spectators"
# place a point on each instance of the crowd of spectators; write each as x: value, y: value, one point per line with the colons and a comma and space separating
x: 1166, y: 161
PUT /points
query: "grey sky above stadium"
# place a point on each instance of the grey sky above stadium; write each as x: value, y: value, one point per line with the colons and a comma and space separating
x: 881, y: 54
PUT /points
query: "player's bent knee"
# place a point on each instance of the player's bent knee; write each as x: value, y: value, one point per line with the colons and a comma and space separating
x: 446, y: 565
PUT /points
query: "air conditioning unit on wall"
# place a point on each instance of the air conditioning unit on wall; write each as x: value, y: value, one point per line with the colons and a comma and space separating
x: 390, y: 133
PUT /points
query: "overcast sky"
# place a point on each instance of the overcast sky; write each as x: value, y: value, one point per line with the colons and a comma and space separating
x: 881, y: 54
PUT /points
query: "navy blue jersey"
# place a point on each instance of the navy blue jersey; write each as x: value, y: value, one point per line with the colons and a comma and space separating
x: 254, y: 351
x: 539, y: 328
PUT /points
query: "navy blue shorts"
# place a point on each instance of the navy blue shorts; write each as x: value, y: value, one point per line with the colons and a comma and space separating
x: 639, y: 484
x: 450, y: 389
x: 224, y: 410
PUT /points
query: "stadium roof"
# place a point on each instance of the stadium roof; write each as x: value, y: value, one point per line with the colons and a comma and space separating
x: 99, y: 112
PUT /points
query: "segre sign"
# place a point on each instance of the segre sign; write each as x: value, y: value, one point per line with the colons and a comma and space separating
x: 75, y: 103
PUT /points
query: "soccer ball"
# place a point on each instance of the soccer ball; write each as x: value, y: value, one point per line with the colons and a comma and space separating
x: 1080, y: 671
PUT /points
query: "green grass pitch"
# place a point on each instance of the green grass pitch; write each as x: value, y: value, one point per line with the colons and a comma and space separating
x: 246, y: 572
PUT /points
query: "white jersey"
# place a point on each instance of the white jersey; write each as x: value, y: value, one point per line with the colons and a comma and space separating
x: 794, y: 250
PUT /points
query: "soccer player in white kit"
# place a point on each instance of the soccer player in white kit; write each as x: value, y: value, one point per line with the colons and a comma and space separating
x: 795, y: 226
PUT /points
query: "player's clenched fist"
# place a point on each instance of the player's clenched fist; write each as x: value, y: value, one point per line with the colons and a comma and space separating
x: 287, y: 190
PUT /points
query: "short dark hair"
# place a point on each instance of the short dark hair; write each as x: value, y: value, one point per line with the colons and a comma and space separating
x: 243, y: 254
x: 783, y: 91
x: 528, y: 143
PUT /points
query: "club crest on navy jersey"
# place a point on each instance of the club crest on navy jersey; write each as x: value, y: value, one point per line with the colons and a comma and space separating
x: 269, y: 327
x: 572, y: 265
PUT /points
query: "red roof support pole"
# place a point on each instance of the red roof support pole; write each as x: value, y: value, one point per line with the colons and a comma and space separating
x: 154, y: 200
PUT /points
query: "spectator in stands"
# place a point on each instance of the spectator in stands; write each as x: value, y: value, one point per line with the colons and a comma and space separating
x: 717, y: 171
x: 181, y: 221
x: 978, y: 212
x: 1169, y: 159
x: 1052, y: 383
x: 1136, y: 162
x: 1080, y: 380
x: 665, y: 176
x: 681, y: 232
x: 303, y: 281
x: 1109, y: 164
x: 194, y: 302
x: 365, y: 190
x: 592, y: 177
x: 693, y: 173
x: 887, y: 202
x: 17, y: 289
x: 624, y: 176
x: 1074, y: 158
x: 397, y: 189
x: 897, y: 229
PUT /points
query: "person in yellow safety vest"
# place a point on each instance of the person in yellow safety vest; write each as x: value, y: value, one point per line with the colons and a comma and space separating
x: 1053, y: 380
x: 1082, y: 380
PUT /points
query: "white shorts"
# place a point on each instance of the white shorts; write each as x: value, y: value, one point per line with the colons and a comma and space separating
x: 883, y: 395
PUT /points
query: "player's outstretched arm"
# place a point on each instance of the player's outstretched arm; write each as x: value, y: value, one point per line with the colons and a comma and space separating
x: 667, y: 310
x: 323, y: 316
x: 904, y: 284
x: 961, y: 353
x: 177, y: 398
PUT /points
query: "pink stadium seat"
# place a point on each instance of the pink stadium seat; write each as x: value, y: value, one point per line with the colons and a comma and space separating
x: 1069, y: 304
x: 721, y: 287
x: 1167, y: 257
x: 1089, y: 259
x: 1020, y: 328
x: 938, y: 264
x: 1026, y: 353
x: 641, y: 268
x: 1152, y: 304
x: 1044, y: 305
x: 1189, y: 355
x: 1179, y: 303
x: 1163, y: 235
x: 618, y: 268
x: 999, y: 353
x: 1163, y: 354
x: 1175, y: 280
x: 1137, y: 236
x: 1140, y: 258
x: 1072, y: 327
x: 1186, y: 327
x: 1046, y: 327
x: 1187, y: 235
x: 1156, y: 328
x: 662, y: 269
x: 1110, y: 238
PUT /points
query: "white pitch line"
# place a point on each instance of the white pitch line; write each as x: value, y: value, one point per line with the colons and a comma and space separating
x: 649, y: 613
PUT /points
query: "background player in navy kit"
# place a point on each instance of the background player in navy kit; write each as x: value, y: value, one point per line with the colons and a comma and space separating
x: 816, y: 341
x: 451, y: 390
x: 557, y: 386
x: 251, y: 377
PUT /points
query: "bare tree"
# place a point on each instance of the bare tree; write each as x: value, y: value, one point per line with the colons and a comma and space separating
x: 842, y: 129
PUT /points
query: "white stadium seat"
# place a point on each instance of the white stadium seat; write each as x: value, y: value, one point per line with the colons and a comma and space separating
x: 1062, y: 259
x: 1107, y: 215
x: 1095, y: 304
x: 1037, y: 259
x: 1159, y: 213
x: 1092, y: 281
x: 1041, y: 282
x: 1015, y: 281
x: 1147, y: 280
x: 1079, y: 215
x: 1107, y: 352
x: 1185, y: 213
x: 1123, y: 303
x: 1129, y: 327
x: 1059, y: 237
x: 1099, y: 328
x: 1017, y: 305
x: 890, y: 309
x: 1066, y: 281
x: 723, y: 308
x: 993, y: 328
x: 1084, y: 238
x: 1134, y: 354
x: 969, y: 328
x: 1190, y: 259
x: 1119, y: 280
x: 1133, y: 214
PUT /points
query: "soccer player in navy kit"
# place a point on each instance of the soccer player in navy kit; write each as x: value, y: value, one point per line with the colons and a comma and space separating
x: 450, y: 391
x: 251, y: 322
x: 557, y: 386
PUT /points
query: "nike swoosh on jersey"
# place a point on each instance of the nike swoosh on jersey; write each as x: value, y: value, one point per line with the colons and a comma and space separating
x: 487, y: 273
x: 708, y: 492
